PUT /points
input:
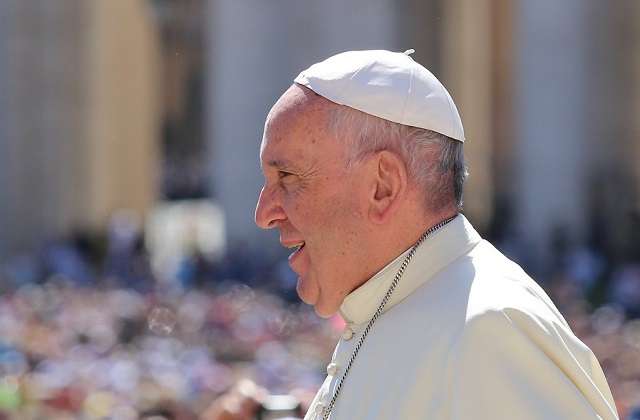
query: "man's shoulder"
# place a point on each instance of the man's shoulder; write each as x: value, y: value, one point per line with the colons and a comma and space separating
x: 494, y: 289
x: 480, y: 288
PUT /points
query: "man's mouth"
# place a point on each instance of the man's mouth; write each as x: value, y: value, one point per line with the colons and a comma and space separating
x: 297, y: 248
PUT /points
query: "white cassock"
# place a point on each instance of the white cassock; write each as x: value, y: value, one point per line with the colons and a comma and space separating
x: 466, y: 335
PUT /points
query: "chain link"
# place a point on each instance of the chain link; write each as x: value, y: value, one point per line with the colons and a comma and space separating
x: 327, y: 410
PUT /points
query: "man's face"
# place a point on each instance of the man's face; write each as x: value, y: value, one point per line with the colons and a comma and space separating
x: 313, y: 199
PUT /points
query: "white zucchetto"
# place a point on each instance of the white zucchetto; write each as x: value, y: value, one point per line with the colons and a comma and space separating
x: 389, y: 85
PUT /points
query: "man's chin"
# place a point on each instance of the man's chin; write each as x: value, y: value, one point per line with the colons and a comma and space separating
x: 306, y: 292
x: 318, y: 307
x: 324, y: 309
x: 313, y: 297
x: 324, y: 313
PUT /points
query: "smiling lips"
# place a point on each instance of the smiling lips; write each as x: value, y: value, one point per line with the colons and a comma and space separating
x: 297, y: 248
x: 293, y: 245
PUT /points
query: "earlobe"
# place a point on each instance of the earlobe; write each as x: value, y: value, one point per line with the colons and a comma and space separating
x: 389, y: 188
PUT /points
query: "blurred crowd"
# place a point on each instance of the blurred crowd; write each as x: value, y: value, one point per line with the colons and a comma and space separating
x: 70, y: 352
x: 614, y: 339
x: 88, y: 329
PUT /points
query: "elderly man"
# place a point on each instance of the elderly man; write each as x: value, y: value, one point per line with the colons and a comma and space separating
x: 364, y: 169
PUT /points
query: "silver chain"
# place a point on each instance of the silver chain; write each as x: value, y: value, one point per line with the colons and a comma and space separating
x: 387, y: 296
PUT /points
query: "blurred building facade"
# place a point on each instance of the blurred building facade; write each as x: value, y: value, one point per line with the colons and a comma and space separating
x: 545, y: 91
x: 183, y: 69
x: 113, y: 104
x: 79, y: 116
x: 574, y: 158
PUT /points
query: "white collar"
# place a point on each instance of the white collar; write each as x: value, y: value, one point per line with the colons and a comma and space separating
x: 439, y: 250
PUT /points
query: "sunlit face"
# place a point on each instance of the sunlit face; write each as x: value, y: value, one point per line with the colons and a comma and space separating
x: 313, y: 199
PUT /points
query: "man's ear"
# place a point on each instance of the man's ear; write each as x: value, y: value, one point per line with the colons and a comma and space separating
x: 390, y: 185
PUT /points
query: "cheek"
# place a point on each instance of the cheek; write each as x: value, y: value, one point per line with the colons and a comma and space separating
x: 350, y: 210
x: 340, y: 233
x: 327, y: 214
x: 308, y: 208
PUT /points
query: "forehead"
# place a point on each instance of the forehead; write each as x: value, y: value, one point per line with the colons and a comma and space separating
x: 296, y: 127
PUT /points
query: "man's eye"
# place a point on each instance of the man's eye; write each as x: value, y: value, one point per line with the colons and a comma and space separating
x: 284, y: 174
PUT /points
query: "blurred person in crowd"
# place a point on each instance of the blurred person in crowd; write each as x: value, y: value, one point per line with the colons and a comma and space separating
x: 625, y: 288
x: 247, y: 401
x: 635, y: 414
x: 241, y: 403
x: 168, y: 410
x: 364, y: 169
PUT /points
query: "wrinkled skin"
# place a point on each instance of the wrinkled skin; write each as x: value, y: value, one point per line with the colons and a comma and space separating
x: 310, y: 195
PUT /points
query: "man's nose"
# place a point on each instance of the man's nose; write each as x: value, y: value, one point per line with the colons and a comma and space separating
x: 268, y: 210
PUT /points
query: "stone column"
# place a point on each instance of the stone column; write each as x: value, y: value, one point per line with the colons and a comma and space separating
x: 467, y: 73
x: 4, y: 132
x: 124, y: 111
x: 42, y: 127
x: 634, y: 59
x: 552, y: 39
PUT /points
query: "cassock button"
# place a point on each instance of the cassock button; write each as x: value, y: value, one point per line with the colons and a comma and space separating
x: 347, y: 333
x: 332, y: 369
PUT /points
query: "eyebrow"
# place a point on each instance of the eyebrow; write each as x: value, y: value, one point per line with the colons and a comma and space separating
x: 280, y: 163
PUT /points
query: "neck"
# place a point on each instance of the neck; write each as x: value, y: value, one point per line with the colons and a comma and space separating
x: 387, y: 244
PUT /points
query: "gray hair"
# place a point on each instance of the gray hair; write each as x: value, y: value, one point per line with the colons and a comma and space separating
x: 434, y: 161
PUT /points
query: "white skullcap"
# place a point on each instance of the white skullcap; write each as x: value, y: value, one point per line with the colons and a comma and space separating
x: 388, y: 85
